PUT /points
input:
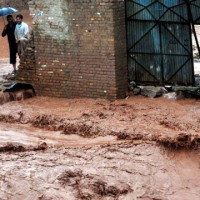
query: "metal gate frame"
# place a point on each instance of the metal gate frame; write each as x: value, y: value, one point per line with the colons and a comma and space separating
x: 162, y: 25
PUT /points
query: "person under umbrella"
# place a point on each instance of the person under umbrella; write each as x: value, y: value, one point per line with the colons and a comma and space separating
x: 9, y: 30
x: 21, y: 34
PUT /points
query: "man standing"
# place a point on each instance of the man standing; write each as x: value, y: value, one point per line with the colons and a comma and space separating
x: 9, y: 30
x: 21, y: 35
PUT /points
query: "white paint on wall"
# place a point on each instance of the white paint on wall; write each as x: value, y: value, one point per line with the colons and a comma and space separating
x: 53, y: 20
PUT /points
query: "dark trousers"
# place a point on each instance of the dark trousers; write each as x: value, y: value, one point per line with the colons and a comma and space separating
x: 13, y: 52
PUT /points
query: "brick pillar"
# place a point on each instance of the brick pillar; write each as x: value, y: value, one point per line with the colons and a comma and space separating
x: 79, y: 48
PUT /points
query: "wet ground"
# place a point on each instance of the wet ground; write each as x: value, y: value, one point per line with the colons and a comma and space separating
x: 132, y: 149
x: 5, y: 68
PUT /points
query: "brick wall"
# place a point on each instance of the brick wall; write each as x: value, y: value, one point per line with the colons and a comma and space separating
x: 78, y: 49
x: 18, y: 4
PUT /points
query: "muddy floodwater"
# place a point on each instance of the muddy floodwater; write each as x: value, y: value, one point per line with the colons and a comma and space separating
x: 137, y: 170
x: 30, y: 136
x: 131, y: 149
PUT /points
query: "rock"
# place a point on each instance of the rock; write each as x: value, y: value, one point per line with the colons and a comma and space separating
x: 171, y: 95
x: 187, y: 92
x: 136, y: 91
x: 197, y: 80
x: 132, y: 85
x: 151, y: 91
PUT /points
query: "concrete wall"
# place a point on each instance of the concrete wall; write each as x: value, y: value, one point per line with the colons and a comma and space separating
x: 78, y: 49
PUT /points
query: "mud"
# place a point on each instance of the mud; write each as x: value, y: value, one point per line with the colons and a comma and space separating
x: 126, y: 171
x: 135, y: 118
x: 137, y: 148
x: 10, y: 147
x: 182, y: 140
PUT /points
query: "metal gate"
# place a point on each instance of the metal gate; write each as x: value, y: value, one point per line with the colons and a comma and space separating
x: 159, y: 41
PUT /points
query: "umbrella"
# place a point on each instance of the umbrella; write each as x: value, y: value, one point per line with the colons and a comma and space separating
x: 7, y: 11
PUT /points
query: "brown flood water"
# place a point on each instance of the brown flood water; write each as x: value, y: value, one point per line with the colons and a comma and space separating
x: 31, y: 136
x: 120, y: 171
x: 130, y: 149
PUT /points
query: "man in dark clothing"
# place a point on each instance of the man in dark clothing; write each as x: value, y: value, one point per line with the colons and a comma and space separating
x: 9, y: 30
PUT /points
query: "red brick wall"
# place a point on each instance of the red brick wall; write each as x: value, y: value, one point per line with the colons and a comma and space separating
x: 79, y: 49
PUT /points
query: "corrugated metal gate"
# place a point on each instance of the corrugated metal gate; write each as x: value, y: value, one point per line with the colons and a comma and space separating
x: 159, y: 41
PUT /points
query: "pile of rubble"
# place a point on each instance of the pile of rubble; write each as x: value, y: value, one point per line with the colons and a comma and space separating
x: 167, y: 91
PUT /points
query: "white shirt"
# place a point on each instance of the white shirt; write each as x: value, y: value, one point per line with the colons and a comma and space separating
x: 21, y: 31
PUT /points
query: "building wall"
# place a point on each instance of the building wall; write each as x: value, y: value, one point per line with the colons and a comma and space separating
x: 18, y: 4
x: 78, y: 49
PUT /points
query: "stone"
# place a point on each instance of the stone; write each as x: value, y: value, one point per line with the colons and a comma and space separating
x: 136, y: 91
x: 197, y: 80
x: 151, y: 91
